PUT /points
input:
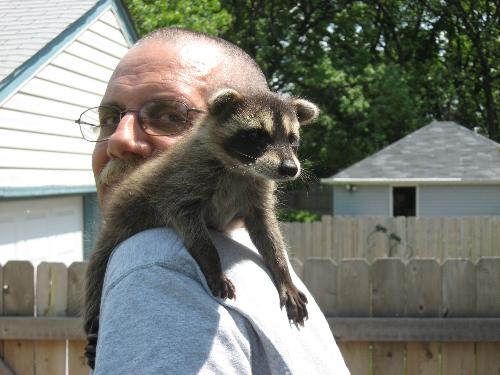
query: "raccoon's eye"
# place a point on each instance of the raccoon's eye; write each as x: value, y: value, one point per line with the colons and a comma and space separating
x: 257, y: 135
x: 294, y: 141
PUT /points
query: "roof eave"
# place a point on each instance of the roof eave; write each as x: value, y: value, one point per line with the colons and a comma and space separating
x: 412, y: 181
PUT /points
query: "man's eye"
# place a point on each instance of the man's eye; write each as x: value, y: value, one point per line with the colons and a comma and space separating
x: 109, y: 120
x: 173, y: 117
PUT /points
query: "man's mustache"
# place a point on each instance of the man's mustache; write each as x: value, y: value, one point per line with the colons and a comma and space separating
x: 115, y: 170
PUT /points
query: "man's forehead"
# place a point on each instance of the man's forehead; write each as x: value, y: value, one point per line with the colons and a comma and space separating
x: 197, y: 57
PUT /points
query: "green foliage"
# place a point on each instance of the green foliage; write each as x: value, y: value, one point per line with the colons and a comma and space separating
x: 377, y: 69
x: 297, y: 216
x: 203, y: 15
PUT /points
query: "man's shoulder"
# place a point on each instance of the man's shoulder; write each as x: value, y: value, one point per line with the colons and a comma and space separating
x: 153, y: 247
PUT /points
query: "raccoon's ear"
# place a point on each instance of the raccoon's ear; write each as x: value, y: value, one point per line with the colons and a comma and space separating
x: 223, y: 101
x: 306, y: 111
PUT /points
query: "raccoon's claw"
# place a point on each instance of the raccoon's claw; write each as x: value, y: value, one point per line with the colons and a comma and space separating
x: 222, y: 287
x: 295, y: 302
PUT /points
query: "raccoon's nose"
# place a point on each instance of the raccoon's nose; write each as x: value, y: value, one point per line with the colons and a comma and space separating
x: 288, y: 168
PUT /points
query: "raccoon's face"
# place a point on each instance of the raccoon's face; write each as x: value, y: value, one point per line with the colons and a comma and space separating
x: 259, y: 134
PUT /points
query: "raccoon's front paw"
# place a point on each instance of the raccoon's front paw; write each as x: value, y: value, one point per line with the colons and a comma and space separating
x: 221, y: 287
x: 295, y: 302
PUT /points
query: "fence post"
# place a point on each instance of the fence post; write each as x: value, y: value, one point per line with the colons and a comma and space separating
x: 388, y: 280
x: 19, y: 300
x: 354, y: 301
x: 488, y: 305
x: 459, y: 300
x: 77, y: 365
x: 423, y: 299
x: 51, y: 300
x: 320, y: 277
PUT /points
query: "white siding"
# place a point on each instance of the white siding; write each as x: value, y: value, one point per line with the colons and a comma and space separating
x: 42, y: 230
x: 39, y: 142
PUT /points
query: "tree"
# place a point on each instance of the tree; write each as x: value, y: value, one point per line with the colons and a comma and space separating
x: 378, y: 69
x: 203, y: 15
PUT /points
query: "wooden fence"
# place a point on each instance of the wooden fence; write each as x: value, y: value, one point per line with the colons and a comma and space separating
x: 389, y: 316
x: 39, y: 328
x: 342, y: 237
x: 419, y: 317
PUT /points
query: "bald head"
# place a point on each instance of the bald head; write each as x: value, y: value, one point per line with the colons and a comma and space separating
x: 229, y: 65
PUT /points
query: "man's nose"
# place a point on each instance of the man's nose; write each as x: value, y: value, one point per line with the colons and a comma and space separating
x: 129, y: 142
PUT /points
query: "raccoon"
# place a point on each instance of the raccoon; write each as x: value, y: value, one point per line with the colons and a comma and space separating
x: 226, y: 168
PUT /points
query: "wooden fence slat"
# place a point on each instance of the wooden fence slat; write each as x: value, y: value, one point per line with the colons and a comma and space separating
x: 356, y: 357
x: 51, y: 300
x: 326, y: 235
x: 320, y: 277
x: 354, y: 300
x: 354, y: 288
x: 488, y: 358
x: 338, y: 237
x: 488, y: 305
x: 458, y: 358
x: 316, y: 239
x: 296, y: 249
x: 298, y: 267
x: 306, y: 238
x: 376, y: 241
x: 422, y: 358
x: 388, y: 280
x: 488, y: 287
x: 459, y: 300
x: 423, y: 299
x: 388, y: 277
x: 19, y: 300
x: 459, y: 288
x: 77, y: 364
x: 423, y: 288
x: 388, y: 358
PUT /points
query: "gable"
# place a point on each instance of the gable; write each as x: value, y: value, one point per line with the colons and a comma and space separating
x: 40, y: 144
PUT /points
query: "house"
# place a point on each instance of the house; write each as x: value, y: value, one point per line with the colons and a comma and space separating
x: 442, y: 169
x: 56, y: 57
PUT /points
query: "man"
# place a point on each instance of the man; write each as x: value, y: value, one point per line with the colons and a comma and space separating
x: 157, y: 314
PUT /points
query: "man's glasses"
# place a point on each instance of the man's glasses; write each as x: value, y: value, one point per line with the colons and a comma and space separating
x: 156, y: 117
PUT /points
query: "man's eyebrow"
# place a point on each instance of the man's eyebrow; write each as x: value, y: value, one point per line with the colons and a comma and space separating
x: 110, y: 104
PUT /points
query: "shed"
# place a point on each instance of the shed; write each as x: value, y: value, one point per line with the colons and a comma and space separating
x: 56, y: 57
x: 442, y: 169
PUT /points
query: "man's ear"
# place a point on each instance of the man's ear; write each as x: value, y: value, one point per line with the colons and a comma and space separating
x: 306, y: 111
x: 224, y: 101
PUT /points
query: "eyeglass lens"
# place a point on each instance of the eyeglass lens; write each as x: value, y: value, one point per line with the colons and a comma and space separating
x: 162, y: 117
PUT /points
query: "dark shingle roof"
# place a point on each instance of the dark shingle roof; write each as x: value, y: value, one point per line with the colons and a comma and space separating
x: 438, y: 151
x: 27, y: 26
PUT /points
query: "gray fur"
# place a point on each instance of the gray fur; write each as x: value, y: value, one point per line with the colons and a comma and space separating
x: 197, y: 185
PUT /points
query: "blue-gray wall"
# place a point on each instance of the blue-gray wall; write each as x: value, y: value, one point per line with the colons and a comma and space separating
x: 366, y: 200
x: 432, y: 200
x: 449, y: 200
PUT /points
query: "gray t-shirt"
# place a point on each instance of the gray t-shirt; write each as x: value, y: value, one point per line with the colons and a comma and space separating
x: 158, y: 315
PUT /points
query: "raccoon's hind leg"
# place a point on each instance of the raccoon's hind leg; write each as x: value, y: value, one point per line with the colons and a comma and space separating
x: 194, y: 234
x: 266, y: 236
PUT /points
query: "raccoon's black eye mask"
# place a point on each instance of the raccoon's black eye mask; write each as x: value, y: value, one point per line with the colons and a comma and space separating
x: 248, y: 145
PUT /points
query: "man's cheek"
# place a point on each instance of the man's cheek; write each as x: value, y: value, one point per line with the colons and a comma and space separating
x: 99, y: 158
